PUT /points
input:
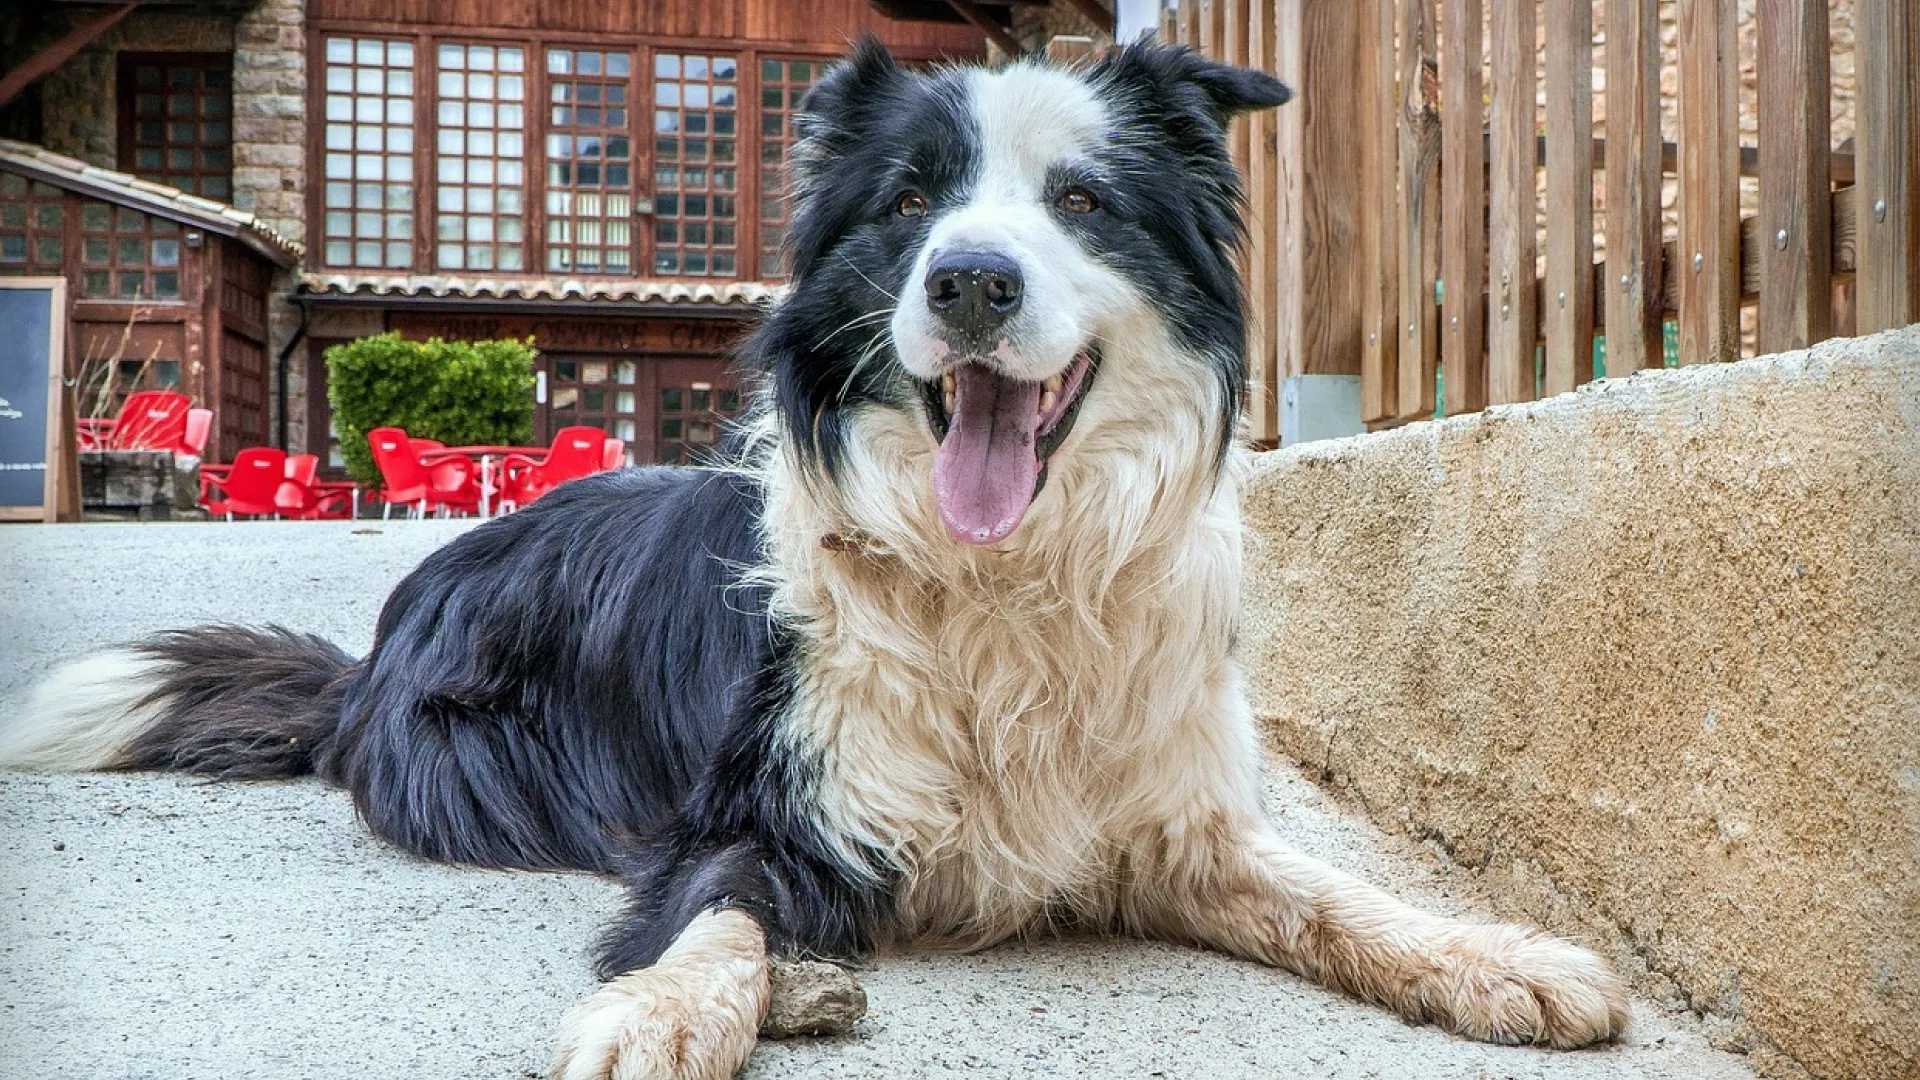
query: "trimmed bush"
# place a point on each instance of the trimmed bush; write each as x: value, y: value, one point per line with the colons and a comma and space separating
x: 463, y: 393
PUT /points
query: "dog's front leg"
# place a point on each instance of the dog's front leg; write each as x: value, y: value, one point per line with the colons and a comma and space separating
x: 1235, y: 886
x: 694, y: 1014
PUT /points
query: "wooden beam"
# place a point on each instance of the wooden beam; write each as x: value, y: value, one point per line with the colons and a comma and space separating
x: 1512, y: 323
x: 1632, y: 164
x: 1463, y: 209
x: 1419, y: 211
x: 43, y: 63
x: 1709, y: 183
x: 1796, y: 289
x: 997, y: 34
x: 1569, y: 150
x: 1096, y: 13
x: 1887, y: 147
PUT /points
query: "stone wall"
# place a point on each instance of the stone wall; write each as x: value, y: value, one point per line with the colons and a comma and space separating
x: 79, y: 100
x: 1646, y: 659
x: 269, y: 168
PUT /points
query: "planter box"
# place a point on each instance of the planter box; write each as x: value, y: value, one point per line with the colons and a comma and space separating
x: 145, y: 485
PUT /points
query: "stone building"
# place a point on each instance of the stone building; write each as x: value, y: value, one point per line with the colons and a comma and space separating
x: 603, y: 177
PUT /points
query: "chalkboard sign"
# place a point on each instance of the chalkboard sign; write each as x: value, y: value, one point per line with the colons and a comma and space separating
x: 33, y: 347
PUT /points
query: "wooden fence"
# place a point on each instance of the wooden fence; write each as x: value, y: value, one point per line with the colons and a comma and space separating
x: 1426, y: 214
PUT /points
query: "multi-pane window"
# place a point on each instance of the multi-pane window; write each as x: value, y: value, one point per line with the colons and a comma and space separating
x: 783, y: 83
x: 177, y: 121
x: 368, y: 158
x: 33, y: 221
x: 691, y: 416
x: 694, y: 138
x: 480, y: 201
x: 127, y: 255
x: 589, y: 163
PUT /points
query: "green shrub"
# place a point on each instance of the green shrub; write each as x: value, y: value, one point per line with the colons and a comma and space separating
x: 463, y: 393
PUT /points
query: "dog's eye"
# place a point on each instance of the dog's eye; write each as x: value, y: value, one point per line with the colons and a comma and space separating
x: 1077, y: 201
x: 910, y: 204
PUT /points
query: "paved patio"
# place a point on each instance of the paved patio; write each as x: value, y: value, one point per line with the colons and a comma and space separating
x: 158, y: 926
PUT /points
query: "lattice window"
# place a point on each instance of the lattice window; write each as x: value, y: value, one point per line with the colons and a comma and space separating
x: 596, y: 392
x: 783, y: 83
x: 177, y: 121
x: 106, y: 384
x: 480, y: 208
x: 691, y: 416
x: 589, y: 163
x: 694, y: 124
x: 33, y: 221
x: 127, y: 255
x: 368, y: 162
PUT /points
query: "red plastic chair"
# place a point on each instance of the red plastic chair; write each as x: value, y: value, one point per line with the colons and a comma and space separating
x: 199, y: 426
x: 613, y: 453
x: 251, y: 485
x: 304, y: 496
x: 149, y: 420
x: 452, y: 486
x: 576, y: 452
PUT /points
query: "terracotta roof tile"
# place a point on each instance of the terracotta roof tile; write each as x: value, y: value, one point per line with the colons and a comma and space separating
x: 742, y: 295
x: 39, y: 163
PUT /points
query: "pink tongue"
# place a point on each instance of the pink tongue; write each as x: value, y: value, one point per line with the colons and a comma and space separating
x: 986, y: 469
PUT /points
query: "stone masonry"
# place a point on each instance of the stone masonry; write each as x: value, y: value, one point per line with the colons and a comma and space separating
x: 269, y: 167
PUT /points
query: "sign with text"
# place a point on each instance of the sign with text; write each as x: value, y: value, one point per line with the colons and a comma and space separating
x: 33, y: 324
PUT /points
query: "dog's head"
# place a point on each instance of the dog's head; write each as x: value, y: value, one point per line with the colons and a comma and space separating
x: 1014, y: 258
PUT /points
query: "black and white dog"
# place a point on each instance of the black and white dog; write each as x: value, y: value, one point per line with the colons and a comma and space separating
x: 944, y: 653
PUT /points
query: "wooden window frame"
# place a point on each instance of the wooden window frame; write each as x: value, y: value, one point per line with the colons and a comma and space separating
x: 640, y: 160
x: 747, y: 264
x: 317, y: 151
x: 128, y: 145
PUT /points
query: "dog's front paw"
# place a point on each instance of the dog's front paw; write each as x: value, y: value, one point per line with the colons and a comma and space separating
x: 661, y: 1024
x: 1509, y: 984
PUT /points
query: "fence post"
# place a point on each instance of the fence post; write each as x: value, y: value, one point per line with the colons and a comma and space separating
x: 1709, y: 251
x: 1320, y: 281
x: 1379, y: 225
x: 1568, y: 300
x: 1633, y: 280
x: 1888, y: 159
x: 1796, y: 222
x: 1262, y: 213
x: 1463, y: 222
x: 1513, y: 329
x: 1419, y: 219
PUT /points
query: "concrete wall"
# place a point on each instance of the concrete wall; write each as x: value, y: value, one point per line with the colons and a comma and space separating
x: 1647, y: 658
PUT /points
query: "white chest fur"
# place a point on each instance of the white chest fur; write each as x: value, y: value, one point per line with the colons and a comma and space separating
x: 1012, y: 728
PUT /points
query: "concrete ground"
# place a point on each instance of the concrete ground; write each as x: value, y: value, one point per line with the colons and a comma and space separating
x: 158, y: 926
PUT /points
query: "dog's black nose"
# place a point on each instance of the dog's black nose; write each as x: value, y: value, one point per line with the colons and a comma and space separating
x: 973, y: 292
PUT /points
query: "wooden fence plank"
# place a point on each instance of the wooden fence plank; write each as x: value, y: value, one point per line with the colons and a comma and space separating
x: 1379, y: 353
x: 1419, y: 217
x: 1633, y: 281
x: 1189, y: 13
x: 1887, y: 162
x: 1512, y: 325
x: 1568, y: 299
x: 1210, y: 27
x: 1169, y: 24
x: 1262, y: 184
x: 1796, y: 270
x: 1463, y: 223
x: 1709, y: 183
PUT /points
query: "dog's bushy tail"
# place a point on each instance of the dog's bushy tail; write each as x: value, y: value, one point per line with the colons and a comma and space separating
x: 225, y: 701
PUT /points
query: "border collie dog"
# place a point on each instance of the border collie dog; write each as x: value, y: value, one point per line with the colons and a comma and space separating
x: 943, y: 652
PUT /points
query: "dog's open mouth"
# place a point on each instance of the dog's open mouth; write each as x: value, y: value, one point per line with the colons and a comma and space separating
x: 995, y: 437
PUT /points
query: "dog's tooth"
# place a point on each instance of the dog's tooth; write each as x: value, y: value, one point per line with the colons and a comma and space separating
x: 949, y: 397
x: 1047, y: 401
x: 946, y: 384
x: 1053, y: 385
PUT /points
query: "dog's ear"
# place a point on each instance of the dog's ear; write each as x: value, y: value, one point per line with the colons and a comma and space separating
x: 834, y: 112
x: 1174, y: 76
